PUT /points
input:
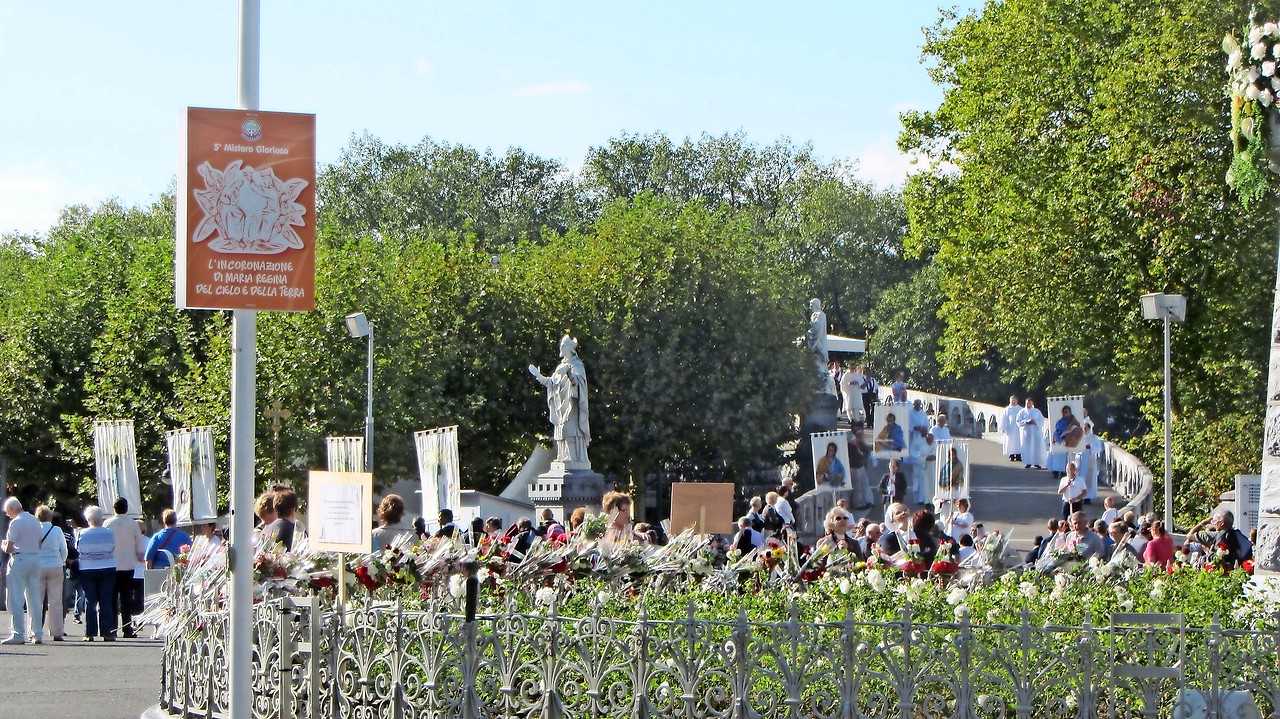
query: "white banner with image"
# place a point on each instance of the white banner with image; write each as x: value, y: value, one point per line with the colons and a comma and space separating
x: 192, y: 472
x: 438, y: 471
x: 115, y: 461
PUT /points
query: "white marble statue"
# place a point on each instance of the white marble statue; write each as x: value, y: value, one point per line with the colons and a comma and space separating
x: 816, y: 340
x: 567, y: 404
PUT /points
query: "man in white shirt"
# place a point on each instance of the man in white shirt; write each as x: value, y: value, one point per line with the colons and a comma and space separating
x: 1031, y: 423
x: 131, y: 548
x: 22, y: 544
x: 940, y: 431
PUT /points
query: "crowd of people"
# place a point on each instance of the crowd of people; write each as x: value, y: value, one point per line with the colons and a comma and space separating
x: 91, y: 568
x: 1214, y: 542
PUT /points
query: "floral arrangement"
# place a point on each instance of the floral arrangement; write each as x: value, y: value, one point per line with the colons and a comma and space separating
x: 579, y: 574
x: 942, y: 563
x: 1253, y: 88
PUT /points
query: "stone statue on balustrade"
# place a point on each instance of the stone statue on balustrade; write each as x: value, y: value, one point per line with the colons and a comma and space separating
x: 567, y: 405
x: 816, y: 341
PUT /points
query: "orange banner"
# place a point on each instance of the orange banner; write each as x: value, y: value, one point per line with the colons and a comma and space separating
x: 246, y: 211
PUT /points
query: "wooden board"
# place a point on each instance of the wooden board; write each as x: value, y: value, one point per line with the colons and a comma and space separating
x: 705, y: 506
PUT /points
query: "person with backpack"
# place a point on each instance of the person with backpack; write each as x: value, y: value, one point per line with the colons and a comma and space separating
x: 1220, y: 533
x: 166, y: 543
x: 777, y: 513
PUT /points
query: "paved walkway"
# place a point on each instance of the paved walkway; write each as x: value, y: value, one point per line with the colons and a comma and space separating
x: 1012, y: 499
x: 78, y: 680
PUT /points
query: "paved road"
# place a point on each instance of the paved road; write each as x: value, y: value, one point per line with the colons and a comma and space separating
x: 77, y: 680
x: 1010, y: 498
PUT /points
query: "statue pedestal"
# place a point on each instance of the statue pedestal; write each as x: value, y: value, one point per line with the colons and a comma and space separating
x: 567, y: 486
x: 820, y: 418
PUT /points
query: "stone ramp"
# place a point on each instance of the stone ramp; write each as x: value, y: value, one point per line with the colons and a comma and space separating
x: 1005, y: 496
x: 1012, y: 499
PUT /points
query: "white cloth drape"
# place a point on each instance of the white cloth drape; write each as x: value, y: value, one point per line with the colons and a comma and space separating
x: 192, y: 470
x: 438, y: 470
x: 115, y: 461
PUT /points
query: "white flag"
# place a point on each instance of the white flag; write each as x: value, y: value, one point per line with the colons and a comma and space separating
x: 192, y: 471
x: 115, y: 461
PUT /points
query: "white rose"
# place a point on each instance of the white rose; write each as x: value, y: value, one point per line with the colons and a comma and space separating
x: 602, y: 597
x: 457, y: 586
x: 961, y: 612
x: 1255, y: 34
x: 1269, y: 68
x: 876, y: 580
x: 1237, y: 57
x: 1028, y: 590
x: 1252, y: 92
x: 1265, y: 97
x: 845, y: 585
x: 1127, y: 605
x: 1270, y: 28
x: 1275, y: 51
x: 1258, y: 50
x: 956, y: 596
x: 1157, y: 595
x: 545, y: 596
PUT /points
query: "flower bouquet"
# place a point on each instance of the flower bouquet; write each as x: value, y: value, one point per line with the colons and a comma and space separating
x: 1254, y: 86
x: 943, y: 566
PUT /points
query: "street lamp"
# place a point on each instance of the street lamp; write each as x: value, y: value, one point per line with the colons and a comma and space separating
x: 359, y: 326
x: 1170, y: 308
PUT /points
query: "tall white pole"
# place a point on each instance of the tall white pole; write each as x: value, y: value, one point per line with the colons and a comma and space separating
x: 1168, y: 432
x: 368, y: 412
x: 244, y: 370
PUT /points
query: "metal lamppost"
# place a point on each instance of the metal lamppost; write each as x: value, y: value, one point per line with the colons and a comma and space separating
x: 359, y: 326
x: 1170, y: 308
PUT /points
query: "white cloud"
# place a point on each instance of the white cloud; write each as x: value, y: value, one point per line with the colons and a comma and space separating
x: 883, y: 164
x: 553, y: 89
x: 32, y: 197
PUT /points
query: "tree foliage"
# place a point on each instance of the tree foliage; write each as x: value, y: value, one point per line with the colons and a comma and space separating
x: 1078, y: 159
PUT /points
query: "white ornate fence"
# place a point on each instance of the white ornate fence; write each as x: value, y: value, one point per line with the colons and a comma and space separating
x: 383, y: 661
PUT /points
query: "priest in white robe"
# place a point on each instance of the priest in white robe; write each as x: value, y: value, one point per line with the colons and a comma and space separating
x: 1031, y: 425
x: 851, y: 392
x: 1089, y: 459
x: 1012, y: 433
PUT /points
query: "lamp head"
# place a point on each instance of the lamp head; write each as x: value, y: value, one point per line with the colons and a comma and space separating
x: 358, y: 325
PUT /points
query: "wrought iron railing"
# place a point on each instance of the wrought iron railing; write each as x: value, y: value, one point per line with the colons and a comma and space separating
x: 382, y: 660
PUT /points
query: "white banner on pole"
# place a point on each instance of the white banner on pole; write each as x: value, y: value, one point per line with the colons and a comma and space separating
x: 192, y: 469
x: 115, y: 461
x: 951, y: 474
x: 438, y: 470
x: 345, y: 454
x: 1065, y: 417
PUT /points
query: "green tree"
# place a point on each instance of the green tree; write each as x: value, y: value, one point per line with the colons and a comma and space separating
x: 396, y: 189
x: 688, y: 334
x: 1078, y: 160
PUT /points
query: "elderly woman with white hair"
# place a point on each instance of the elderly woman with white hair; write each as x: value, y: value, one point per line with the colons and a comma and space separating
x: 97, y: 546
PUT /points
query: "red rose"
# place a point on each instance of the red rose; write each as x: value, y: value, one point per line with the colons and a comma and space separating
x: 1247, y: 566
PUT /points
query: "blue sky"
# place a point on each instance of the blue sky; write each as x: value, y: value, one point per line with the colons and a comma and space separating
x: 93, y: 90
